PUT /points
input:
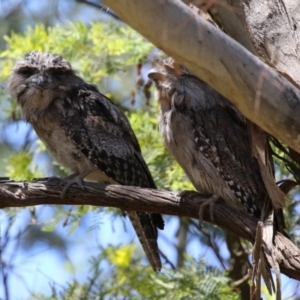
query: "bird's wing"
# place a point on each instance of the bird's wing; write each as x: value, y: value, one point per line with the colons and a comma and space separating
x: 103, y: 134
x: 220, y: 133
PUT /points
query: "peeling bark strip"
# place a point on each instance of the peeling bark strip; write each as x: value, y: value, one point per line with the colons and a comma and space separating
x: 263, y: 96
x: 23, y: 194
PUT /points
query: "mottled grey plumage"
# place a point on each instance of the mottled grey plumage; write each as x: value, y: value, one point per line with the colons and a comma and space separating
x: 208, y: 137
x: 85, y: 132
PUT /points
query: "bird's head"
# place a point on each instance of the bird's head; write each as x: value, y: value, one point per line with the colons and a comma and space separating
x: 37, y: 79
x: 166, y: 75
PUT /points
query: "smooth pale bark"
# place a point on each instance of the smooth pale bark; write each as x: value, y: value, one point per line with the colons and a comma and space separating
x: 128, y: 198
x: 263, y: 96
x: 269, y: 29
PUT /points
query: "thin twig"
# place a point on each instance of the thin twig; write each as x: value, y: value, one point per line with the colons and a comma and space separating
x: 103, y: 8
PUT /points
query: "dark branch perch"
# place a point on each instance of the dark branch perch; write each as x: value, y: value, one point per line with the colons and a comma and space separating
x: 22, y: 194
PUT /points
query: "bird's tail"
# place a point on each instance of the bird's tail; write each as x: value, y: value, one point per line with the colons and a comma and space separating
x: 147, y: 234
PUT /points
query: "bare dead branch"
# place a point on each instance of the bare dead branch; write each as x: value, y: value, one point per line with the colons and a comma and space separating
x: 258, y: 91
x: 103, y: 8
x: 23, y: 194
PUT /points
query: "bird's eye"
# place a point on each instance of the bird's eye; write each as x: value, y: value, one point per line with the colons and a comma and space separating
x: 59, y: 72
x: 26, y: 71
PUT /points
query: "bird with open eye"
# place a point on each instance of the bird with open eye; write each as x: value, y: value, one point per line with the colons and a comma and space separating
x: 85, y: 132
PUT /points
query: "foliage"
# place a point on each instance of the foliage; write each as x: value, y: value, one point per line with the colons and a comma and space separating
x: 97, y: 51
x: 129, y: 280
x: 19, y: 166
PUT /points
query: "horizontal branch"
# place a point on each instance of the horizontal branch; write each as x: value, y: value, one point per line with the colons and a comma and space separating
x: 128, y: 198
x: 263, y: 96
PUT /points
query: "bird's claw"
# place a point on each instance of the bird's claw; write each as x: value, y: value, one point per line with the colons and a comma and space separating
x: 70, y: 180
x: 211, y: 203
x: 199, y: 198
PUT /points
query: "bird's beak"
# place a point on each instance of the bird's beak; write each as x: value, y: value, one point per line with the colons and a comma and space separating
x: 155, y: 76
x: 41, y: 81
x: 152, y: 74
